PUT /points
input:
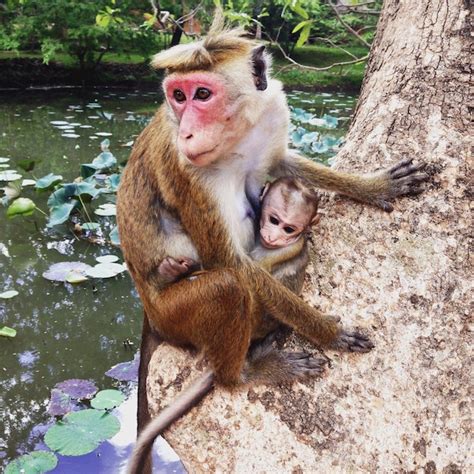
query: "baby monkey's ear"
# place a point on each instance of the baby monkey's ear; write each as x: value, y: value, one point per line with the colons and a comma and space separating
x: 315, y: 220
x: 265, y: 190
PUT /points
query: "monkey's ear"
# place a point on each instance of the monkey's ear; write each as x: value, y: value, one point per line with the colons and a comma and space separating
x: 259, y: 68
x: 265, y: 190
x: 315, y: 220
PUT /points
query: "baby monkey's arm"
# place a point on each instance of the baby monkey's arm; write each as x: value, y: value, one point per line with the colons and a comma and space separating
x: 270, y: 258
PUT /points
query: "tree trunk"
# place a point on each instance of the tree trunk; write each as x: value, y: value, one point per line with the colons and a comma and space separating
x: 404, y: 276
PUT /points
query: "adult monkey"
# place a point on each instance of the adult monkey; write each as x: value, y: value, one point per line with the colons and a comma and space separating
x: 190, y: 191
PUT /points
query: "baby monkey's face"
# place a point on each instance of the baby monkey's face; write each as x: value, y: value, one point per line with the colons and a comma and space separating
x: 286, y: 214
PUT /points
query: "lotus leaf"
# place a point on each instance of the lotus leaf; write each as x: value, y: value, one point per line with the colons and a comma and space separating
x: 60, y: 271
x: 9, y: 175
x: 48, y: 181
x: 21, y: 207
x: 78, y: 389
x: 36, y: 462
x: 106, y: 210
x: 81, y: 432
x: 107, y: 258
x: 6, y: 295
x: 107, y: 399
x: 5, y: 331
x: 105, y: 270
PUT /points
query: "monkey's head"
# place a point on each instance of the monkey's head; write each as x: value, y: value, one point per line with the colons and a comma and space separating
x: 213, y: 89
x: 288, y: 209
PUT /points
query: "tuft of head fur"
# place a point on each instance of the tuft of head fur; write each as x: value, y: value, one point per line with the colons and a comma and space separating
x: 220, y: 45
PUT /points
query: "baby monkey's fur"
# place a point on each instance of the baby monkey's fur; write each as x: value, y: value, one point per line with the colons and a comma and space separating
x: 191, y: 189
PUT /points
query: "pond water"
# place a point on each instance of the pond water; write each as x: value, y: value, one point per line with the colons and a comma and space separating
x: 69, y: 331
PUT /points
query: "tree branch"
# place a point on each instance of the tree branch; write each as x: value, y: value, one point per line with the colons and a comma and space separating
x: 314, y: 68
x: 348, y: 27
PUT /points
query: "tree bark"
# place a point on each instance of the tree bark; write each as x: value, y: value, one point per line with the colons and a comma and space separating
x: 404, y: 276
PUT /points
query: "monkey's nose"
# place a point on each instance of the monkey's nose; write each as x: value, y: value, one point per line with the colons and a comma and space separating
x: 188, y: 137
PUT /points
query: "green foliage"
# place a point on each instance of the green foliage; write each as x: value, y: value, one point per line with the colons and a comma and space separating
x: 81, y: 432
x: 107, y: 399
x: 84, y: 30
x: 5, y: 331
x: 36, y: 462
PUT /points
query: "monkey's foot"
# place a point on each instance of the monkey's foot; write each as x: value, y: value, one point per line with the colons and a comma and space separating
x: 266, y: 364
x: 352, y: 342
x: 402, y: 179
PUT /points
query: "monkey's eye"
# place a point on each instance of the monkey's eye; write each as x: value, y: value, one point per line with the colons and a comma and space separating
x: 274, y: 220
x: 202, y: 93
x: 288, y: 229
x: 178, y: 95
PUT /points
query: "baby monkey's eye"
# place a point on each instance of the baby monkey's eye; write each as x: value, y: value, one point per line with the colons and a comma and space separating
x: 202, y: 93
x: 178, y: 95
x: 274, y: 220
x: 288, y: 229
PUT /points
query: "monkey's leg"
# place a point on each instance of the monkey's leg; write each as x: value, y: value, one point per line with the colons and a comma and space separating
x: 267, y: 364
x: 149, y: 343
x: 214, y: 312
x: 375, y: 188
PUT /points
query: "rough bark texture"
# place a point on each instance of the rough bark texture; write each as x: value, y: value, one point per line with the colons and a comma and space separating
x: 405, y: 276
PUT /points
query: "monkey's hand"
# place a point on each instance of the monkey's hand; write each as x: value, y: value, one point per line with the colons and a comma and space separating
x: 352, y: 342
x: 404, y: 178
x: 172, y: 269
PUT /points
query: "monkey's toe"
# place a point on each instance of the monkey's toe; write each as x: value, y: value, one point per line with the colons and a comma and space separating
x: 302, y: 365
x: 353, y: 342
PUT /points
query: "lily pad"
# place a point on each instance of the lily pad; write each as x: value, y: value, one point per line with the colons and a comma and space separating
x: 28, y: 182
x: 113, y: 181
x: 105, y: 270
x: 106, y: 210
x: 81, y: 432
x: 26, y: 165
x: 103, y: 134
x: 114, y: 236
x: 75, y: 277
x: 125, y: 371
x: 9, y: 175
x: 90, y: 226
x: 107, y: 258
x: 5, y: 331
x: 4, y: 250
x: 21, y: 207
x: 4, y: 160
x: 79, y: 389
x: 6, y: 295
x: 48, y: 181
x: 62, y: 270
x: 36, y: 462
x: 60, y: 214
x: 60, y: 403
x: 12, y: 190
x: 59, y: 122
x: 107, y: 399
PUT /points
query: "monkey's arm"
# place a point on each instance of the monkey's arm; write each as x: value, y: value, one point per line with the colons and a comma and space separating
x: 376, y: 188
x: 269, y: 258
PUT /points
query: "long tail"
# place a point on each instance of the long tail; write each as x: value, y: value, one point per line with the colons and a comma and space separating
x: 179, y: 407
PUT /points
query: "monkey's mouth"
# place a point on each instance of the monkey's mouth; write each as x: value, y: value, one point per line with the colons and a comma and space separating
x: 196, y: 156
x: 267, y: 245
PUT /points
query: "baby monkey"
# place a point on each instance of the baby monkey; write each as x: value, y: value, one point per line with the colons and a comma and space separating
x: 288, y: 210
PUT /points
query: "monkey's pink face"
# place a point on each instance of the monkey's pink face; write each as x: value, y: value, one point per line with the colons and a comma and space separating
x: 281, y: 226
x: 205, y: 115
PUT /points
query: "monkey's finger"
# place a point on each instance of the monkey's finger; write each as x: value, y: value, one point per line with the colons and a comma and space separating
x: 406, y: 170
x: 384, y: 205
x: 353, y: 342
x: 400, y: 164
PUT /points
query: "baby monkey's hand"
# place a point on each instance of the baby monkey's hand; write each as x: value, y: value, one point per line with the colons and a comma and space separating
x: 174, y: 268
